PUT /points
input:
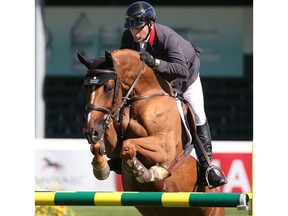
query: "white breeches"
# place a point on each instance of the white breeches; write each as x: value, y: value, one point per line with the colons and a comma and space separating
x: 194, y: 95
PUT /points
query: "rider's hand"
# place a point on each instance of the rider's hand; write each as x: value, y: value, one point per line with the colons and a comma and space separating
x: 148, y: 59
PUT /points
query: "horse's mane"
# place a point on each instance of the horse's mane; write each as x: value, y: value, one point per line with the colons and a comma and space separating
x: 122, y: 56
x: 126, y: 52
x: 106, y: 62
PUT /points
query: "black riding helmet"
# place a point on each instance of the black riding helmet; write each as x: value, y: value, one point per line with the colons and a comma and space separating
x: 139, y: 14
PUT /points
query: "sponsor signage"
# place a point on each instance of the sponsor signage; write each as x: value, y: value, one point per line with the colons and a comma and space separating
x: 65, y: 164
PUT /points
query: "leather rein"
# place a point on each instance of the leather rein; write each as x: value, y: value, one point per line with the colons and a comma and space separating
x: 118, y: 113
x: 125, y: 100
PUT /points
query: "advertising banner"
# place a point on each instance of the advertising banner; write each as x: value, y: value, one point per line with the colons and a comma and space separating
x: 66, y: 165
x: 238, y: 170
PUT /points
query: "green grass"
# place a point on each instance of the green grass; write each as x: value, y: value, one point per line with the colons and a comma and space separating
x: 105, y: 210
x: 131, y: 211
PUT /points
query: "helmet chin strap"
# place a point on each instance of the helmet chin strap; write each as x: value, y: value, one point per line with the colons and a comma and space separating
x: 149, y: 31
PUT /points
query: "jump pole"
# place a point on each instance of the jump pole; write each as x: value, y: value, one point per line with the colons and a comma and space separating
x: 160, y: 199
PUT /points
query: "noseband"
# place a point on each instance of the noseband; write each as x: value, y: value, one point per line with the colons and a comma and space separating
x: 98, y: 77
x: 117, y: 114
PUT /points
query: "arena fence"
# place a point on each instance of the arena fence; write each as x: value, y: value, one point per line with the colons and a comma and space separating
x: 162, y: 199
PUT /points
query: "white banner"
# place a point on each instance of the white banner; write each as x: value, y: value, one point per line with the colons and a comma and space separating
x: 66, y: 165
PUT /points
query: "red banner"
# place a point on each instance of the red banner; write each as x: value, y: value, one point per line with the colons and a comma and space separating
x: 238, y: 170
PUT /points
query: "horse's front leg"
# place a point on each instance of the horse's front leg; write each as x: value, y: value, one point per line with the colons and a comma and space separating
x: 101, y: 169
x: 152, y: 149
x: 112, y: 144
x: 153, y: 154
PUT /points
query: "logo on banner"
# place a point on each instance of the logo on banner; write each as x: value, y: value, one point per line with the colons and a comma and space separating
x: 52, y: 164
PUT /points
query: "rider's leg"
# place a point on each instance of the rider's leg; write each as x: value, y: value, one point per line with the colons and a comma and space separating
x: 194, y: 95
x: 203, y: 132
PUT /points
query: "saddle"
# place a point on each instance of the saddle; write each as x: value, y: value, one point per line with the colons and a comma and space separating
x: 189, y: 117
x: 189, y: 121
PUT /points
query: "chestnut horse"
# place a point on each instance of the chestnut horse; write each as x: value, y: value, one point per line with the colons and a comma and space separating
x: 132, y: 114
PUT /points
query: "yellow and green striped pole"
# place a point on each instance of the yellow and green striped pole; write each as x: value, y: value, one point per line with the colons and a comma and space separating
x: 162, y: 199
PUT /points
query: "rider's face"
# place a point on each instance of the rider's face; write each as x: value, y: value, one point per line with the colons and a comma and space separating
x: 139, y: 34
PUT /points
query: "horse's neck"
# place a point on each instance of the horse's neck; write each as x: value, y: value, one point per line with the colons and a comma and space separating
x: 148, y: 87
x: 128, y: 71
x: 149, y: 84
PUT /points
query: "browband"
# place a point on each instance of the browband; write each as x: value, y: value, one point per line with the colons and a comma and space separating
x: 98, y: 79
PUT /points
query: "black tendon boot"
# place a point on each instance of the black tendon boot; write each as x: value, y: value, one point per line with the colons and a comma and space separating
x: 115, y: 165
x: 214, y: 180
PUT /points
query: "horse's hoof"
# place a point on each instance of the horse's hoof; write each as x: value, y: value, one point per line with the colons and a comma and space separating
x: 102, y: 174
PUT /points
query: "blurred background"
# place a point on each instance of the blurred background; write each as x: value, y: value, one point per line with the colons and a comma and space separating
x: 223, y: 29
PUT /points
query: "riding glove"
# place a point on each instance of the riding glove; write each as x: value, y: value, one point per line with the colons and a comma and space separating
x: 148, y: 59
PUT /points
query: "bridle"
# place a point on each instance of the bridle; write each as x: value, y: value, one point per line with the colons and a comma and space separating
x: 112, y: 112
x: 90, y: 81
x: 118, y: 112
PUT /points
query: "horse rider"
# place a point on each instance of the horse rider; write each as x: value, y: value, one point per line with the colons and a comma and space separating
x: 177, y: 61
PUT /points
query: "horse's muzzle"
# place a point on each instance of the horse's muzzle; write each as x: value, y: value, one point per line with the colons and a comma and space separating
x: 92, y: 135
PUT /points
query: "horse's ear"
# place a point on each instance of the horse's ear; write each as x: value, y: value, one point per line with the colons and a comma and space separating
x: 84, y: 60
x: 108, y: 55
x: 108, y: 58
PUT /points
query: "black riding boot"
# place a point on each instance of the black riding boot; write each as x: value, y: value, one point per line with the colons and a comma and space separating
x: 203, y: 132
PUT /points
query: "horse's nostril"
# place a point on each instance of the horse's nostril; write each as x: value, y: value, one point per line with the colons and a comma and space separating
x: 94, y: 133
x: 95, y: 136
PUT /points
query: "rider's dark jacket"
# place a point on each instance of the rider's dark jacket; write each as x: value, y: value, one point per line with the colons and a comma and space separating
x: 179, y: 58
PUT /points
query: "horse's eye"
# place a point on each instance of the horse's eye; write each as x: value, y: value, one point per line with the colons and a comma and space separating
x: 108, y: 88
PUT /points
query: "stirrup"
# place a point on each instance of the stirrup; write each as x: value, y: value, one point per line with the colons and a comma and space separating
x: 207, y: 173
